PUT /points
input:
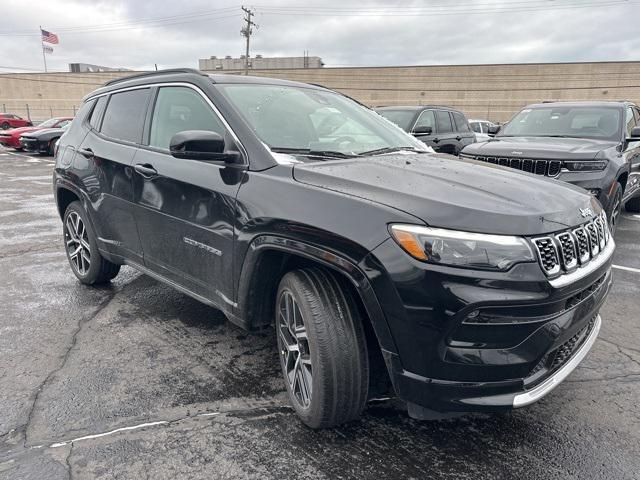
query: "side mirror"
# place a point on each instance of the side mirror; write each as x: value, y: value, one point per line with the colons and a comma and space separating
x: 492, y: 130
x: 422, y: 130
x: 635, y: 135
x: 201, y: 145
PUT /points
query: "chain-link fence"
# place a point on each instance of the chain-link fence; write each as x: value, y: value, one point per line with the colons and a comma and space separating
x: 38, y: 113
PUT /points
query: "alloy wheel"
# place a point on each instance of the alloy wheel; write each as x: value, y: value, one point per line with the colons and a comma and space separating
x: 293, y: 344
x: 77, y: 243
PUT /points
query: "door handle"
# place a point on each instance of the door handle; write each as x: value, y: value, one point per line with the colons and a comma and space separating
x: 86, y: 152
x: 458, y: 138
x: 145, y: 169
x: 435, y: 140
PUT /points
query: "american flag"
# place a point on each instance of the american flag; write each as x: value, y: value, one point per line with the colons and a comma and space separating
x: 49, y: 37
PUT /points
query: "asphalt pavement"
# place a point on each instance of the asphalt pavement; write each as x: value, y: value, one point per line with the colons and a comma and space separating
x: 135, y: 380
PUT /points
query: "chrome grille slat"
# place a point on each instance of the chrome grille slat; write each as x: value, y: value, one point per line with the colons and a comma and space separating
x: 565, y: 250
x: 549, y: 168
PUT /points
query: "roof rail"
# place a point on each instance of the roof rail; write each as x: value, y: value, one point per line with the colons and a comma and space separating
x: 152, y: 73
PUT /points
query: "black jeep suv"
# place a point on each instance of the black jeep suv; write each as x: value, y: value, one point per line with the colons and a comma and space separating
x: 595, y: 145
x: 442, y: 128
x: 291, y: 205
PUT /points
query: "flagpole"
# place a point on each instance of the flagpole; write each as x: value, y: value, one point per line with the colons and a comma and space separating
x: 44, y: 58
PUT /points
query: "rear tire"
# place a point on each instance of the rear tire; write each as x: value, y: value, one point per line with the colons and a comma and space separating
x: 323, y: 349
x: 633, y: 205
x: 82, y: 249
x: 52, y: 147
x: 5, y: 126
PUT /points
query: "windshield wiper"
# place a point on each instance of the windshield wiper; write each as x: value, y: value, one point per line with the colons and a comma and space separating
x: 312, y: 153
x: 380, y: 151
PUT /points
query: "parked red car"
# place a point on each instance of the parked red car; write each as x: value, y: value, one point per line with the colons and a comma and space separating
x: 9, y: 120
x: 11, y: 138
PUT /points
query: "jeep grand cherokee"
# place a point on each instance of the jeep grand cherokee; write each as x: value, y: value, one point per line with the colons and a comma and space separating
x: 595, y: 145
x: 290, y: 205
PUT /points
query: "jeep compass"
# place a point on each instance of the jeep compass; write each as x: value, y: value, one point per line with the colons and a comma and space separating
x: 290, y: 205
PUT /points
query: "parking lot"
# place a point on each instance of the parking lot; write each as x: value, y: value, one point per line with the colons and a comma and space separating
x: 136, y: 380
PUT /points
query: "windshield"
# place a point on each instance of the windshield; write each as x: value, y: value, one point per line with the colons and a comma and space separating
x: 557, y: 121
x: 49, y: 123
x: 302, y: 120
x: 402, y: 118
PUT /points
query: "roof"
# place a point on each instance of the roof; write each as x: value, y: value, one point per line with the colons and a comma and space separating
x: 583, y: 103
x: 416, y: 108
x: 182, y: 74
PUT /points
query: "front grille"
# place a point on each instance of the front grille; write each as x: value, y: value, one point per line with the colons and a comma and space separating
x: 556, y: 358
x: 549, y: 168
x: 563, y: 251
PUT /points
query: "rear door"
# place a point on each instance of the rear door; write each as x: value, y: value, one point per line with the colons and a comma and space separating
x: 104, y: 160
x: 445, y: 138
x: 464, y: 135
x: 185, y: 208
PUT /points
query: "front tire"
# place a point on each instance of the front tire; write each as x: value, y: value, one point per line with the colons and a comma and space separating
x: 615, y: 207
x: 323, y: 349
x: 82, y: 249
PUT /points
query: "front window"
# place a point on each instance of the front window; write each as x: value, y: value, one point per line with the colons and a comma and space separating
x: 564, y: 121
x: 300, y: 120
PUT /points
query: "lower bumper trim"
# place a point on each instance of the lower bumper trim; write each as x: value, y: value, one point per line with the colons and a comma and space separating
x: 535, y: 394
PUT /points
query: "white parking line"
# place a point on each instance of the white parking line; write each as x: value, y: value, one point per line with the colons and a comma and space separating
x: 628, y: 269
x: 98, y: 435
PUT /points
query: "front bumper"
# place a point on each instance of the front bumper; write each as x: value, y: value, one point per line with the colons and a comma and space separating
x: 534, y: 336
x: 33, y: 145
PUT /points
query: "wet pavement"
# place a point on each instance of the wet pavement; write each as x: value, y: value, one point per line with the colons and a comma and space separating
x: 136, y: 380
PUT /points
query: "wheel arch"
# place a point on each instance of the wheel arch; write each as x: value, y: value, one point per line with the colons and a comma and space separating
x: 64, y: 196
x: 270, y: 257
x: 622, y: 179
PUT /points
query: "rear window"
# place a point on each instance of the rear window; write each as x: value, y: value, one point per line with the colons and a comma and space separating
x: 96, y: 115
x: 461, y: 123
x: 124, y: 116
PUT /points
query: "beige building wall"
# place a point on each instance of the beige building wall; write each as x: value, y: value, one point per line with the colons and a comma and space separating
x: 481, y: 91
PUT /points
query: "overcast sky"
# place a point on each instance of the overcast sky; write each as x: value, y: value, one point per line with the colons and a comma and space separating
x: 136, y: 33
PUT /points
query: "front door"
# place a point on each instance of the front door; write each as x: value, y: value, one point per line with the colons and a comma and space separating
x: 184, y: 208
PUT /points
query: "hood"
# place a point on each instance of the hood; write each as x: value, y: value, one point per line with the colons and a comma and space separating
x: 447, y: 192
x: 43, y: 132
x: 15, y: 132
x: 541, y: 147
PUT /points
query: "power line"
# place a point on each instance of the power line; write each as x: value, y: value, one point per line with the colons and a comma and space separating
x: 335, y: 12
x: 90, y: 30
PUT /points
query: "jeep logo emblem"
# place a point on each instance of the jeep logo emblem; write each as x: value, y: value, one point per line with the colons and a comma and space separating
x: 516, y: 152
x: 586, y: 212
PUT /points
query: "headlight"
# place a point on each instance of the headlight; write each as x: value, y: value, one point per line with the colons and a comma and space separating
x: 590, y: 166
x: 462, y: 249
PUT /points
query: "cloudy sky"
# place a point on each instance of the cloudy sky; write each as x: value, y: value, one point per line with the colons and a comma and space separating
x: 136, y: 33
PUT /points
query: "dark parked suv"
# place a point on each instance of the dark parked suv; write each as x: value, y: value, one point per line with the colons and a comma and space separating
x: 595, y: 145
x: 290, y: 205
x: 442, y: 128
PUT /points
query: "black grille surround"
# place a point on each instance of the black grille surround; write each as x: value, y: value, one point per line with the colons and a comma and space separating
x: 548, y: 168
x: 565, y: 251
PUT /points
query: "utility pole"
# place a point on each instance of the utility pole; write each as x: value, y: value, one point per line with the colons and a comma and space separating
x: 246, y: 32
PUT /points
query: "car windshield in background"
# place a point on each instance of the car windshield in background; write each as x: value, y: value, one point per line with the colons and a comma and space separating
x: 49, y: 123
x: 401, y: 118
x: 575, y: 122
x: 300, y: 120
